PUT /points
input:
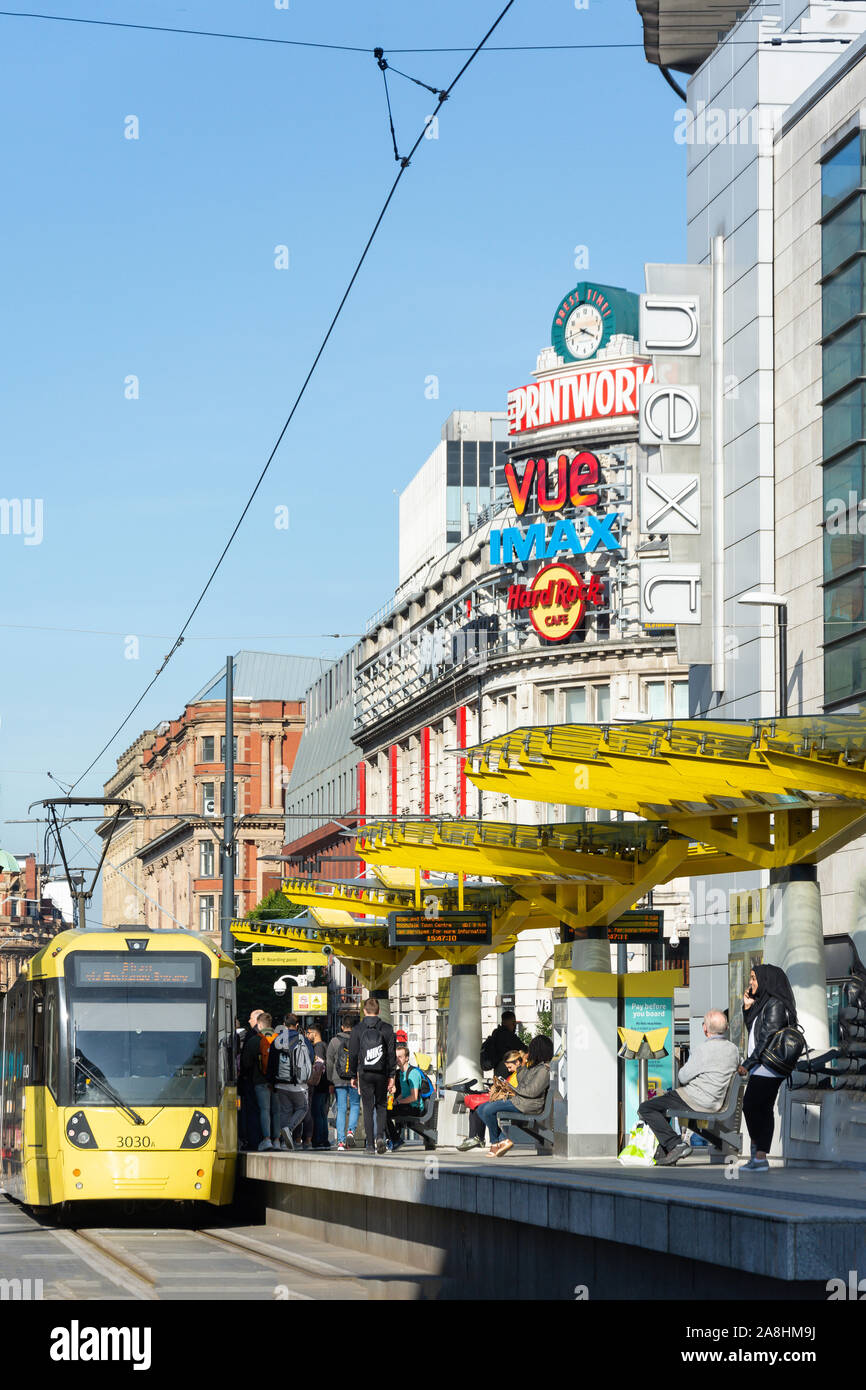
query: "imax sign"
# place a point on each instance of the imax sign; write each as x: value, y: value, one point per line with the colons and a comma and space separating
x: 513, y: 543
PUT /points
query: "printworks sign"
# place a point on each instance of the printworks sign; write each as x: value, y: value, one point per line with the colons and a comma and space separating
x: 556, y: 600
x: 575, y: 397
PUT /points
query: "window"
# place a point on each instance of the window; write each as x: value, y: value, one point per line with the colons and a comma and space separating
x: 602, y: 704
x: 841, y: 174
x: 845, y: 420
x: 656, y: 700
x: 208, y: 804
x: 548, y: 706
x: 845, y: 671
x: 505, y: 972
x: 575, y: 706
x: 206, y: 859
x: 681, y: 699
x: 575, y: 813
x: 206, y: 918
x: 843, y: 295
x: 207, y: 747
x: 223, y: 747
x: 842, y: 235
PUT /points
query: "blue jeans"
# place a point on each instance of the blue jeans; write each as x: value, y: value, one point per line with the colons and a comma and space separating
x: 489, y: 1114
x: 346, y: 1095
x: 269, y: 1112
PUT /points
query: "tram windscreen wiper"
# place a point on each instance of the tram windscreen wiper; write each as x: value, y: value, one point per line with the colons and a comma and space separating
x: 107, y: 1090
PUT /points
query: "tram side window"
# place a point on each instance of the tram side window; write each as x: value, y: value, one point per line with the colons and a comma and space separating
x: 226, y: 1036
x: 52, y: 1039
x: 37, y: 1038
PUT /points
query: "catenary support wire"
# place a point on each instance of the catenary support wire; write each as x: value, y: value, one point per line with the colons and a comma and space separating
x: 404, y: 165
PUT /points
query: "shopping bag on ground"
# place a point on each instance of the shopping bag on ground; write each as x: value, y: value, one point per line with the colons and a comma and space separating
x: 639, y: 1147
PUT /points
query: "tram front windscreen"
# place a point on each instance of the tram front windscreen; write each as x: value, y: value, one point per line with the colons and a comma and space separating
x: 138, y: 1027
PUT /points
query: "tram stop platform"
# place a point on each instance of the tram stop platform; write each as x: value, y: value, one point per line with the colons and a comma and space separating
x: 558, y: 1228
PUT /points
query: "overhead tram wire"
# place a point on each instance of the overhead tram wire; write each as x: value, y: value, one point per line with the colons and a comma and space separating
x: 404, y: 165
x: 356, y: 48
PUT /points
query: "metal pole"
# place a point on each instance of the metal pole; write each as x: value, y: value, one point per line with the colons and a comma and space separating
x: 622, y: 958
x: 642, y: 1080
x: 480, y: 740
x: 718, y: 464
x: 227, y: 848
x: 82, y: 899
x: 782, y: 612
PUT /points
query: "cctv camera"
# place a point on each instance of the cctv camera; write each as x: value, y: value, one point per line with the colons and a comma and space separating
x: 279, y: 987
x: 674, y: 942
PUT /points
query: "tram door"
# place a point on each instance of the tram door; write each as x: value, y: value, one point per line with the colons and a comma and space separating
x: 35, y: 1135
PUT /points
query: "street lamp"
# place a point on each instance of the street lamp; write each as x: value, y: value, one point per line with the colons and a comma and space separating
x: 758, y: 600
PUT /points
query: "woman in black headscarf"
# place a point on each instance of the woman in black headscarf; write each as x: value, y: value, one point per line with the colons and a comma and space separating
x: 768, y: 1005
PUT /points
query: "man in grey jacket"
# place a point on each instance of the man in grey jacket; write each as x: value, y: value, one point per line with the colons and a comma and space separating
x: 701, y: 1085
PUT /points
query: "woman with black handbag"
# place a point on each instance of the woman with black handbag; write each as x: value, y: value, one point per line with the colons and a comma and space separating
x: 768, y: 1006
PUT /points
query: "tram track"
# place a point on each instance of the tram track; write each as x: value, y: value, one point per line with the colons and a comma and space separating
x: 167, y: 1263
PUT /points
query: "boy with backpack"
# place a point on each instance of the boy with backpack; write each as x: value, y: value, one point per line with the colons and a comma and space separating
x: 290, y: 1068
x: 372, y: 1063
x: 339, y: 1076
x: 412, y: 1093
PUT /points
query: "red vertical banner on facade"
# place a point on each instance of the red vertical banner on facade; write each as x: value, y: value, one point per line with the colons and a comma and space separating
x: 362, y: 806
x: 392, y: 764
x: 425, y: 770
x: 461, y: 775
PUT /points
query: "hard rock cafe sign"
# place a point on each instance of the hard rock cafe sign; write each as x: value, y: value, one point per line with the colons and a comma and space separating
x: 556, y: 600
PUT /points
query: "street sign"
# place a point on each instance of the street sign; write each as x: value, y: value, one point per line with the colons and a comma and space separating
x: 309, y: 1001
x: 288, y: 958
x: 448, y: 929
x: 637, y: 924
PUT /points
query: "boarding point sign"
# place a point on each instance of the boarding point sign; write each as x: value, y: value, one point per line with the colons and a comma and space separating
x: 571, y: 397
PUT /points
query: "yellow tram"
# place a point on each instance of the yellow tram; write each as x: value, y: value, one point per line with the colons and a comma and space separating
x: 118, y: 1077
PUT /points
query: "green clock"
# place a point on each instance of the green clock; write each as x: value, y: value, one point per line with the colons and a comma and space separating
x: 588, y: 317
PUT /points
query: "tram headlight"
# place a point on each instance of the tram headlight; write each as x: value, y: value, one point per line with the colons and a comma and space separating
x: 79, y: 1133
x: 197, y: 1132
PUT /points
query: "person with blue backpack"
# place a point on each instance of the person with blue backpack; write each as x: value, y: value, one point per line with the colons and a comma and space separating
x: 290, y: 1066
x: 412, y: 1092
x: 339, y: 1075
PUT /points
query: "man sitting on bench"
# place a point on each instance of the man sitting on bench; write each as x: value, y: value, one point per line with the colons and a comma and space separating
x: 701, y: 1085
x: 407, y: 1096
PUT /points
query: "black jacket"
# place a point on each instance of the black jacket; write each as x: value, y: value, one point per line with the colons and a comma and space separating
x: 250, y: 1072
x: 501, y: 1040
x: 389, y: 1043
x: 772, y: 1016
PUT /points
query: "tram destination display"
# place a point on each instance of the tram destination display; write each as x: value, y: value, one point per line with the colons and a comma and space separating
x: 176, y: 969
x: 446, y: 929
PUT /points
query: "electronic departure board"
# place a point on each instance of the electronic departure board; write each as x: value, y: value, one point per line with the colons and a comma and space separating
x: 92, y: 971
x: 448, y: 929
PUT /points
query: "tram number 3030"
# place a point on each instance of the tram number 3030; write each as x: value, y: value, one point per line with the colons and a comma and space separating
x: 134, y: 1141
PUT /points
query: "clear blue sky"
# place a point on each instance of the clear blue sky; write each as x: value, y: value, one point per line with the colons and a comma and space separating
x: 155, y: 258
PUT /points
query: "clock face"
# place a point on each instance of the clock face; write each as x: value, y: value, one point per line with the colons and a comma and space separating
x: 583, y: 331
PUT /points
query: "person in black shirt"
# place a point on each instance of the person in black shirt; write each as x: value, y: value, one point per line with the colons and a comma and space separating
x: 372, y: 1064
x: 250, y: 1135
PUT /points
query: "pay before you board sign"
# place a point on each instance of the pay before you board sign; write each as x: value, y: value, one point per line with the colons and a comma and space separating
x: 646, y: 1015
x: 445, y: 929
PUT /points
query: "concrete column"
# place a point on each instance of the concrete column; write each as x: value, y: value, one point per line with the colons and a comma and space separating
x: 592, y: 953
x: 585, y: 1114
x: 794, y: 940
x: 463, y: 1050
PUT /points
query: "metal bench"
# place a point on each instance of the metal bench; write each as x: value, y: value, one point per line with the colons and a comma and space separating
x: 721, y: 1128
x: 532, y: 1129
x: 422, y: 1123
